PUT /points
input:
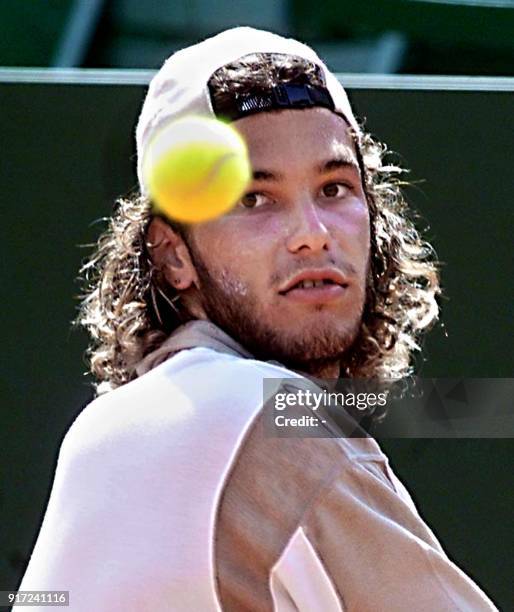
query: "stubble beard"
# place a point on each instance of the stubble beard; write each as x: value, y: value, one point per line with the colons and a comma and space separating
x: 237, y: 313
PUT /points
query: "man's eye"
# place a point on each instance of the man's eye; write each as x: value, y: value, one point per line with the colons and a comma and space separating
x: 253, y: 200
x: 335, y: 190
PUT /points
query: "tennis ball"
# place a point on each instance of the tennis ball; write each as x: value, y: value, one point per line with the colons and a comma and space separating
x: 196, y: 168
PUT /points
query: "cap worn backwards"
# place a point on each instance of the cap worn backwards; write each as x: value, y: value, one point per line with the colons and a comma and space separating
x: 180, y: 87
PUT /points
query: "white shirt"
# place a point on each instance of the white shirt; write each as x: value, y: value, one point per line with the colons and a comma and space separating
x: 163, y: 500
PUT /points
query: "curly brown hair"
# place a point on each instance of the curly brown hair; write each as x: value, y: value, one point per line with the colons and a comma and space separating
x: 129, y: 310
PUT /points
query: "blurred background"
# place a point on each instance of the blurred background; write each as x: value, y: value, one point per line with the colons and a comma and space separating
x: 458, y: 37
x: 433, y: 79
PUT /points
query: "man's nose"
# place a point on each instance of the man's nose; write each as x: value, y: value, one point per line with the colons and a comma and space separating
x: 307, y: 230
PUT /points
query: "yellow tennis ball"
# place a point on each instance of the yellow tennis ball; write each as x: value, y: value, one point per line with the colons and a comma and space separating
x: 196, y: 169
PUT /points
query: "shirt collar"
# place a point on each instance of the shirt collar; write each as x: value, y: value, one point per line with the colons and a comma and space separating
x: 201, y: 333
x: 192, y: 334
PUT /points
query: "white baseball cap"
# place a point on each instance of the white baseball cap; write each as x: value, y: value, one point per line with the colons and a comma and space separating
x: 180, y: 87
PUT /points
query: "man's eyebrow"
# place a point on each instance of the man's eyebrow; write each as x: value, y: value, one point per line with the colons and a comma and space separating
x: 338, y: 163
x: 267, y: 175
x: 329, y: 165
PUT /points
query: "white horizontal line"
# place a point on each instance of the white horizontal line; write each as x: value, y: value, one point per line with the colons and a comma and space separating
x: 474, y: 3
x: 80, y: 76
x: 426, y: 82
x: 94, y: 76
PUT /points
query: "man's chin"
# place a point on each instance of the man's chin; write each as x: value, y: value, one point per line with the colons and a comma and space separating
x: 288, y: 340
x: 315, y: 345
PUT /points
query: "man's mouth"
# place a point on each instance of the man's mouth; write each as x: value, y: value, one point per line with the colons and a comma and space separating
x: 320, y: 281
x: 315, y: 291
x: 309, y: 284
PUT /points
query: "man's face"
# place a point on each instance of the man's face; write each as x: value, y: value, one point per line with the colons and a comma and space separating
x: 305, y: 211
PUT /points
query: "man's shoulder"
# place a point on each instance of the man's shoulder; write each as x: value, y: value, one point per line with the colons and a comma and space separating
x: 195, y: 389
x: 202, y: 359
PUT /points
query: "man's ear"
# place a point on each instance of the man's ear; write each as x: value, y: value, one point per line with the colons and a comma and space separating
x: 170, y: 254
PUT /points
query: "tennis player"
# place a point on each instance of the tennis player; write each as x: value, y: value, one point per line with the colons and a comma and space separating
x: 170, y: 493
